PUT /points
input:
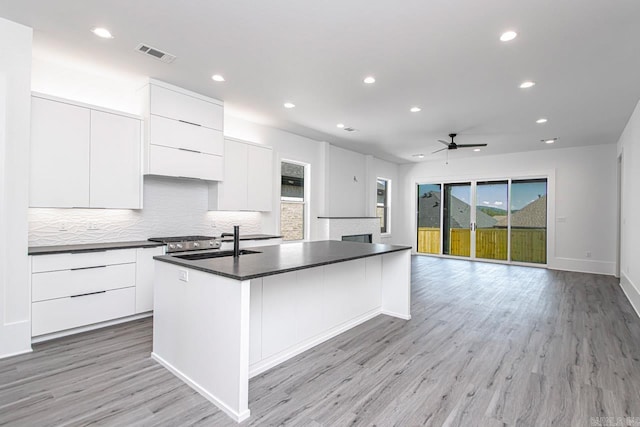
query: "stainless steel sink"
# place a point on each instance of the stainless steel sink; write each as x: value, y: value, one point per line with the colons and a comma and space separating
x: 209, y: 255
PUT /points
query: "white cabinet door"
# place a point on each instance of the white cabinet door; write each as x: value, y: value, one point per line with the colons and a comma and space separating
x: 116, y: 161
x: 232, y: 192
x: 144, y: 277
x: 185, y: 164
x: 179, y: 106
x: 259, y: 178
x: 59, y: 167
x: 172, y: 133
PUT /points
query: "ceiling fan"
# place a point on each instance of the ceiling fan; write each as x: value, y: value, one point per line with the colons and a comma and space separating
x: 453, y: 146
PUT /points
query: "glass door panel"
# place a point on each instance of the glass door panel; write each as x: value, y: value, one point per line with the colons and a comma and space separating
x: 429, y: 222
x: 492, y: 219
x: 529, y: 220
x: 456, y: 239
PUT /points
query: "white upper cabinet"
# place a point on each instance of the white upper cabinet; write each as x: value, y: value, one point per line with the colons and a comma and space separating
x: 248, y: 178
x: 178, y: 104
x: 183, y: 133
x: 116, y: 159
x: 174, y: 134
x: 83, y: 156
x: 232, y: 192
x: 259, y: 178
x: 59, y: 166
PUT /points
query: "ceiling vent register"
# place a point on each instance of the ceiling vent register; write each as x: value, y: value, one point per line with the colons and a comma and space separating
x: 155, y: 53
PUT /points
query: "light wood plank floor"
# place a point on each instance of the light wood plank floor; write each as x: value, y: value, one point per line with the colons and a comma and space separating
x: 488, y: 345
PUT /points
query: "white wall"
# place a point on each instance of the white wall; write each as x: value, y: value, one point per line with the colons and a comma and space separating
x: 347, y: 183
x: 629, y: 148
x: 15, y: 107
x: 582, y: 195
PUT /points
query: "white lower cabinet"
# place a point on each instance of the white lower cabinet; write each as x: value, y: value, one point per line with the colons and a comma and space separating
x: 144, y: 277
x: 66, y: 313
x: 71, y: 290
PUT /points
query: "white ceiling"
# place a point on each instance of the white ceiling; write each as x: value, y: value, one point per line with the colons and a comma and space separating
x: 443, y: 55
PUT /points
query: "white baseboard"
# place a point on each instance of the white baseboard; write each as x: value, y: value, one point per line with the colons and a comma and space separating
x: 268, y: 363
x: 583, y: 266
x: 18, y: 353
x: 73, y: 331
x: 398, y: 315
x: 631, y: 291
x: 15, y: 338
x: 238, y: 417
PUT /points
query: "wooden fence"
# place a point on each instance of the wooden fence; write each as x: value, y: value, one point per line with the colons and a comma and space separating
x: 527, y: 244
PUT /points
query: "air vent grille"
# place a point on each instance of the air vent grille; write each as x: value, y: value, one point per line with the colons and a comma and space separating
x: 155, y: 53
x: 350, y: 129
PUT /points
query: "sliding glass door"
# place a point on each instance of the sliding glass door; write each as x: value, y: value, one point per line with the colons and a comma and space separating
x: 529, y: 220
x: 456, y: 238
x: 491, y: 219
x: 502, y: 220
x: 429, y: 218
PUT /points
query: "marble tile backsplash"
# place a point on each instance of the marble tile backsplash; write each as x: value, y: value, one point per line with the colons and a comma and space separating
x: 172, y: 207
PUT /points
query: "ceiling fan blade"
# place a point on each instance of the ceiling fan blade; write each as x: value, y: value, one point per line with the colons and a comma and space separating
x: 471, y: 145
x: 444, y: 142
x: 437, y: 151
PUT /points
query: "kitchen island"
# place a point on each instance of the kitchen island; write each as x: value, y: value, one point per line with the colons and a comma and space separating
x: 220, y: 321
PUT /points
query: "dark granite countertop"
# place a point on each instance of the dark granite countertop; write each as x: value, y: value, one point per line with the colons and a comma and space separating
x: 90, y: 247
x: 251, y: 237
x: 277, y: 259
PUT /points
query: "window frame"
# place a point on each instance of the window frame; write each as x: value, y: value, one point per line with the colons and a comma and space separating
x: 386, y: 229
x: 297, y: 200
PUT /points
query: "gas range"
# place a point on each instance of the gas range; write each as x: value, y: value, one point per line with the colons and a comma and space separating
x: 188, y: 243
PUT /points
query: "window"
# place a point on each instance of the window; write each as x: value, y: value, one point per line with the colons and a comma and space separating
x: 292, y: 201
x: 382, y: 203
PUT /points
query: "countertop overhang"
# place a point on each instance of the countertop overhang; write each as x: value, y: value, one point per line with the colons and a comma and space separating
x: 278, y: 259
x: 90, y: 247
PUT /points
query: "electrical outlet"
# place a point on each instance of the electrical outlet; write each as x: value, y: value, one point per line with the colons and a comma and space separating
x: 588, y: 254
x: 93, y: 226
x: 183, y: 275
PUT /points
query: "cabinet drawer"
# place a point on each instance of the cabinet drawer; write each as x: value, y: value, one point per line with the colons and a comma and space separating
x: 178, y: 106
x: 65, y: 313
x: 175, y: 162
x: 68, y: 261
x: 172, y: 133
x: 66, y: 283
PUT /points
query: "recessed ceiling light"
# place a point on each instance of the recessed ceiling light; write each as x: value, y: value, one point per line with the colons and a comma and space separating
x: 289, y: 105
x: 340, y: 125
x: 507, y: 36
x: 217, y: 78
x: 527, y: 84
x: 476, y: 149
x: 549, y: 141
x: 102, y: 32
x: 419, y: 156
x: 541, y: 120
x: 415, y: 109
x: 369, y: 80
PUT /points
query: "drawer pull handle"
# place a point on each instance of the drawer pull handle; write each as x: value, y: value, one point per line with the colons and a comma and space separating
x: 190, y: 151
x: 88, y: 268
x: 189, y: 123
x: 90, y: 293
